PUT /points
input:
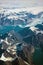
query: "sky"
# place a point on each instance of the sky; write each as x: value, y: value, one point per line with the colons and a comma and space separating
x: 21, y: 3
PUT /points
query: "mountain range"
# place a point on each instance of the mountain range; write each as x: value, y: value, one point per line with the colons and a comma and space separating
x: 21, y: 37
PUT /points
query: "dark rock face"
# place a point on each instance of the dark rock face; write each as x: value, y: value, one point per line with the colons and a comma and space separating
x: 7, y: 54
x: 2, y: 62
x: 8, y: 63
x: 14, y: 62
x: 1, y: 51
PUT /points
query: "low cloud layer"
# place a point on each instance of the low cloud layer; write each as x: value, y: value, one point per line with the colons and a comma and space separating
x: 21, y: 3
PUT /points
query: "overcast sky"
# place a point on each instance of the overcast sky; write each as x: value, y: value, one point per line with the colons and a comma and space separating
x: 21, y: 3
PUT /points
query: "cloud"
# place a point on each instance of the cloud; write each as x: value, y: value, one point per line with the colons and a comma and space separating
x: 21, y: 3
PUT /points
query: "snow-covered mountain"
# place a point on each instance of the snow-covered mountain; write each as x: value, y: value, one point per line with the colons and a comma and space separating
x: 20, y: 17
x: 21, y: 31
